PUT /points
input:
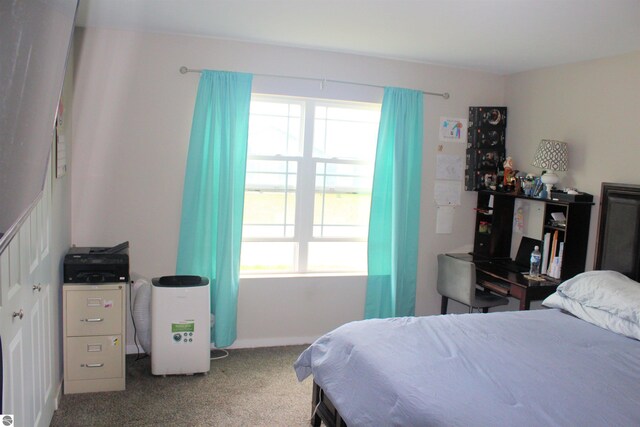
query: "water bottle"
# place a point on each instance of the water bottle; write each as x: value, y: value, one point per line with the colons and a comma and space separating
x: 536, y: 256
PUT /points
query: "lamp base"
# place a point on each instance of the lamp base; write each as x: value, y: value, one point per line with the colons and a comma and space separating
x: 549, y: 179
x: 549, y: 187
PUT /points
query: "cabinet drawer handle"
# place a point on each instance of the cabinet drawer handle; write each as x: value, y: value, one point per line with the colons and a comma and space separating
x: 19, y: 314
x: 94, y: 365
x: 97, y: 319
x: 37, y: 287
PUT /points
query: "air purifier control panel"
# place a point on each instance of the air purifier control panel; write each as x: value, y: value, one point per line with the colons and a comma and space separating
x: 183, y: 332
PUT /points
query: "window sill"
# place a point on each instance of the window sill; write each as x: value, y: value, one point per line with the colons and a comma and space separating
x: 302, y: 275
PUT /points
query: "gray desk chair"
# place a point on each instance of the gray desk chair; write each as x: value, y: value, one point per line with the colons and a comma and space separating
x: 457, y: 280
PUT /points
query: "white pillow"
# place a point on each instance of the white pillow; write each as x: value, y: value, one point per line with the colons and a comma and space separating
x: 605, y: 298
x: 594, y: 316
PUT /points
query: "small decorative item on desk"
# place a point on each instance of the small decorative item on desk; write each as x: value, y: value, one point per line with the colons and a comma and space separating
x: 536, y: 256
x: 509, y: 177
x: 519, y: 178
x: 527, y: 184
x: 542, y: 194
x: 535, y: 187
x: 534, y: 268
x: 490, y: 181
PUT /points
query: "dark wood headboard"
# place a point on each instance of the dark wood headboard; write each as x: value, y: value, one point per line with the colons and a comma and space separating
x: 618, y: 244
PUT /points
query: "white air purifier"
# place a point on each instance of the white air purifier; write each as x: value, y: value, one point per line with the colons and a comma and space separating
x: 180, y: 325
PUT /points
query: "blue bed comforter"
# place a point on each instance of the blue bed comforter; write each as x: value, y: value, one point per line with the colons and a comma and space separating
x: 540, y: 367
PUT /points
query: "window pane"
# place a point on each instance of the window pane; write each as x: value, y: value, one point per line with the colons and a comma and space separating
x: 268, y: 214
x: 271, y: 174
x: 337, y: 256
x: 275, y: 128
x: 268, y: 257
x: 344, y: 177
x: 345, y: 132
x: 341, y: 215
x: 342, y: 200
x: 270, y: 199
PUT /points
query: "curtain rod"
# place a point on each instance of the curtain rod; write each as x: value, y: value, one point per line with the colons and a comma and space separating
x: 445, y: 95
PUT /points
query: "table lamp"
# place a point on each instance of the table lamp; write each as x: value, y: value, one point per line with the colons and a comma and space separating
x: 551, y: 156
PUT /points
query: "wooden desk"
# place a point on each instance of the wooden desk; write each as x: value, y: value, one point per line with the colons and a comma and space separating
x: 494, y: 278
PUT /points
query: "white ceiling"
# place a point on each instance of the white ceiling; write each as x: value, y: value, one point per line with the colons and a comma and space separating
x: 499, y: 36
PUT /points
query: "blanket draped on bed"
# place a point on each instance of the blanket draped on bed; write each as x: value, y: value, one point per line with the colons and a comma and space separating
x: 540, y: 367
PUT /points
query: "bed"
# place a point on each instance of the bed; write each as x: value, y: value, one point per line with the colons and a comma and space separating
x: 576, y: 363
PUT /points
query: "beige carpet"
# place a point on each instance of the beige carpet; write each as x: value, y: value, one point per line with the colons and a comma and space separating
x: 251, y: 387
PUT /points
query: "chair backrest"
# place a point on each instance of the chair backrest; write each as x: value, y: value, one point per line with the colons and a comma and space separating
x: 457, y: 279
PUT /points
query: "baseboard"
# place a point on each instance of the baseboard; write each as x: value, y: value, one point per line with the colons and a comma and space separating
x: 49, y: 407
x: 271, y: 342
x: 250, y: 343
x: 56, y: 400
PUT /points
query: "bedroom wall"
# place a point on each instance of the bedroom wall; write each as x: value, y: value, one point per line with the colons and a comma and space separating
x: 132, y: 119
x: 61, y: 222
x: 593, y: 106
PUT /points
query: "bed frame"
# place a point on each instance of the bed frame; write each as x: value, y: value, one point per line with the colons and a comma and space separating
x: 618, y: 244
x: 323, y: 410
x: 617, y: 248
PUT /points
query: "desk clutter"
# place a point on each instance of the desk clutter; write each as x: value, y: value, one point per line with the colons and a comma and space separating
x: 488, y: 167
x: 534, y: 278
x: 493, y: 276
x: 563, y: 238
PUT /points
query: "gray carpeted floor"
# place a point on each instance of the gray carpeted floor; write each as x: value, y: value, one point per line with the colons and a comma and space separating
x: 251, y: 387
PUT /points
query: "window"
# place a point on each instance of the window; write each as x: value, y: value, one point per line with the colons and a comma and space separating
x: 308, y: 185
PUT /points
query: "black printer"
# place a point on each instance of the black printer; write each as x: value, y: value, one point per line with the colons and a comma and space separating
x: 97, y: 265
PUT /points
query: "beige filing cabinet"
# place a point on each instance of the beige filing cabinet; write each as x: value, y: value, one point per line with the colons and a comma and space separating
x: 93, y: 330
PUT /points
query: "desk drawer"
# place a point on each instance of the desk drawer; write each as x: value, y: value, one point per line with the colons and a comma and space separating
x: 91, y: 358
x: 92, y: 312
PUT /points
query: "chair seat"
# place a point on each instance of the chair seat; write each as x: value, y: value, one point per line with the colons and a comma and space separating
x: 485, y: 300
x: 457, y: 281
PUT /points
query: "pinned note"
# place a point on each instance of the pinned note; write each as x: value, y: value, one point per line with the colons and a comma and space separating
x: 444, y: 220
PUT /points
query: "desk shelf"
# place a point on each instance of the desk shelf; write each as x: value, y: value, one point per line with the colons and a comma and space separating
x: 493, y: 233
x: 496, y: 240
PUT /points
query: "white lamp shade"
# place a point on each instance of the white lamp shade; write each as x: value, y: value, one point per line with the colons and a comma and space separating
x: 551, y: 155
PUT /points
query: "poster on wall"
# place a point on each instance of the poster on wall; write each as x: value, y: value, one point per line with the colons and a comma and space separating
x: 453, y: 130
x: 444, y: 220
x: 447, y: 193
x: 449, y: 167
x: 61, y: 148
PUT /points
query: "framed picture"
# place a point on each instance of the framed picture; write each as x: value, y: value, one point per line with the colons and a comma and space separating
x: 453, y: 130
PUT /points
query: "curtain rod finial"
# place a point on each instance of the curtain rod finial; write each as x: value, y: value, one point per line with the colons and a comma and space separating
x: 184, y: 70
x: 445, y: 95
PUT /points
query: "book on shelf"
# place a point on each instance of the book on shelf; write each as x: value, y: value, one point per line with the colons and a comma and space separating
x: 545, y: 252
x: 555, y: 268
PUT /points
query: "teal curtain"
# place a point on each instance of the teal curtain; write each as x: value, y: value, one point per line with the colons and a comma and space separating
x: 213, y: 197
x: 395, y: 207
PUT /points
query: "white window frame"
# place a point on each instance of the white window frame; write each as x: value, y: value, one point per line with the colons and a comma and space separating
x: 305, y: 184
